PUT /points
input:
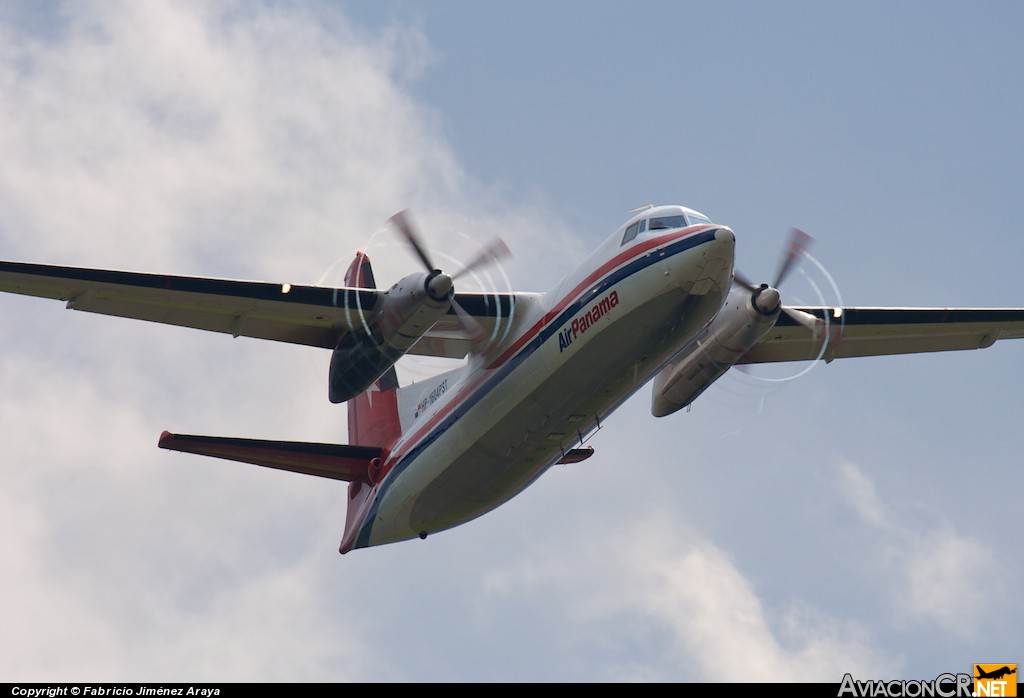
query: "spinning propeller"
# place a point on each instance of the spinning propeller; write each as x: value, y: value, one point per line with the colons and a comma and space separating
x: 401, y: 316
x: 766, y: 298
x: 441, y: 285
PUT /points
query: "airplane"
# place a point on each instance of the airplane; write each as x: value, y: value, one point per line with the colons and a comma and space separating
x: 995, y: 674
x: 657, y: 302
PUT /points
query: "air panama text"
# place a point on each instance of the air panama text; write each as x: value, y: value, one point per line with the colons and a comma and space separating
x: 584, y: 322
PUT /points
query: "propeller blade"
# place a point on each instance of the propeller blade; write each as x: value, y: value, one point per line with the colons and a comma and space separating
x: 476, y: 332
x: 811, y: 322
x: 799, y: 241
x: 494, y: 252
x: 403, y: 222
x: 743, y: 281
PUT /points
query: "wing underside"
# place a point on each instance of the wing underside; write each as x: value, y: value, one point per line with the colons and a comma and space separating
x: 852, y: 332
x: 310, y: 315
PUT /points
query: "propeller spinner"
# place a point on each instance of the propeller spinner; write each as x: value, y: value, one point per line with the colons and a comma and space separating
x: 440, y: 285
x: 403, y: 315
x: 766, y: 298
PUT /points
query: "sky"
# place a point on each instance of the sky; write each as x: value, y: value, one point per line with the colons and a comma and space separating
x: 856, y: 519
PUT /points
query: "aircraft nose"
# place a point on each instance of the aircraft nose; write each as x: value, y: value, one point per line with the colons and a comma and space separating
x: 724, y: 245
x: 713, y: 261
x: 725, y: 240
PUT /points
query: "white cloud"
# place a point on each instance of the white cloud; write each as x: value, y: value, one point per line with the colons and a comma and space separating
x: 114, y: 569
x: 150, y: 130
x: 950, y: 580
x: 946, y: 577
x: 62, y: 626
x: 859, y: 492
x: 159, y: 134
x: 669, y: 588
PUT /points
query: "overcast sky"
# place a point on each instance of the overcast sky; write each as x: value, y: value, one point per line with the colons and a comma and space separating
x: 858, y: 519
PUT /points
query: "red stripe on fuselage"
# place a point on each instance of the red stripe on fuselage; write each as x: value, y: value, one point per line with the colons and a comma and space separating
x: 612, y: 263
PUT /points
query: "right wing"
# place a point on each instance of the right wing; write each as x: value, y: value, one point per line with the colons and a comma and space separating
x: 883, y: 331
x: 312, y: 315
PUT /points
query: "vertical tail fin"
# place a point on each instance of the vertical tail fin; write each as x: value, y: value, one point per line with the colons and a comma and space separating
x: 360, y: 273
x: 372, y: 415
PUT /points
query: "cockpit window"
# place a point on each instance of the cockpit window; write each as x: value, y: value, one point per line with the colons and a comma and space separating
x: 666, y: 222
x: 663, y: 223
x: 631, y: 232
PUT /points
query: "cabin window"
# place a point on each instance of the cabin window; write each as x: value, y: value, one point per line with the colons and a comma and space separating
x: 666, y: 222
x: 631, y: 232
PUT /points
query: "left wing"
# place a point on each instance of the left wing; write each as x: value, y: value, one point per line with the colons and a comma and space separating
x: 312, y: 315
x: 883, y: 331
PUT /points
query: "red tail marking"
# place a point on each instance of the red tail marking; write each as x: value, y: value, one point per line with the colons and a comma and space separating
x: 360, y: 274
x: 373, y: 415
x: 372, y: 420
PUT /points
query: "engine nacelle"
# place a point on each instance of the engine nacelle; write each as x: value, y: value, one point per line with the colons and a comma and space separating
x: 406, y: 312
x: 739, y: 325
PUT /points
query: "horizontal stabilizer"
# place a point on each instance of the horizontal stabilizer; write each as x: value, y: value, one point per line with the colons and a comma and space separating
x: 335, y: 461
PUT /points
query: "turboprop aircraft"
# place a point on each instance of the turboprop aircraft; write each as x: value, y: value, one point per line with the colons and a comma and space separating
x: 658, y: 301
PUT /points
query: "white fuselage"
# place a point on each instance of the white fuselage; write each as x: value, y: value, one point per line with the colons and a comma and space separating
x: 570, y: 360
